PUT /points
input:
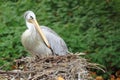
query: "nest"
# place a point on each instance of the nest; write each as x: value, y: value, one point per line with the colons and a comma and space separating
x: 69, y: 67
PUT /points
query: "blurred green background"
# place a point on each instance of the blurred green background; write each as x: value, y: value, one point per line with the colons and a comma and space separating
x: 90, y: 26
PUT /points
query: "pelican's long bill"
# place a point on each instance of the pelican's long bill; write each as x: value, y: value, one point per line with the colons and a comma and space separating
x: 40, y: 31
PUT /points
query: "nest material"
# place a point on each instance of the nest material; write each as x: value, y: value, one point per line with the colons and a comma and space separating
x: 69, y: 67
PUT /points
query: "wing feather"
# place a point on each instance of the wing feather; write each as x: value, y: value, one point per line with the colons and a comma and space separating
x: 56, y: 42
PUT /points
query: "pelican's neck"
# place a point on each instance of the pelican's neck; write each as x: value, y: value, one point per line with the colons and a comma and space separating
x: 30, y: 26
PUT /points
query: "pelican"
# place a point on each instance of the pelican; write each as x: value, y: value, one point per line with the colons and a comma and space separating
x: 40, y: 40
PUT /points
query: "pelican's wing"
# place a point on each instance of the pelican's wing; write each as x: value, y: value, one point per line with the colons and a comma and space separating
x: 56, y: 42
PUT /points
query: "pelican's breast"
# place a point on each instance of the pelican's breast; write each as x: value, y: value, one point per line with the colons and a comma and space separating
x: 34, y: 43
x: 28, y: 39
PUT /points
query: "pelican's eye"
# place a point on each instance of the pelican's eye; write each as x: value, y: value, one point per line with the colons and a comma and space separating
x: 31, y: 17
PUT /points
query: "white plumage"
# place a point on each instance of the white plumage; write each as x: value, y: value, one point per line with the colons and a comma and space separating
x: 40, y: 40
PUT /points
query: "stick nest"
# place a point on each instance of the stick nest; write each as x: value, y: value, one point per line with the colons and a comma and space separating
x: 69, y: 67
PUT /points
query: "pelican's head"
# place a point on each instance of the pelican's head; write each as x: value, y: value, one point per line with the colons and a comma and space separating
x: 30, y: 19
x: 33, y: 24
x: 29, y: 15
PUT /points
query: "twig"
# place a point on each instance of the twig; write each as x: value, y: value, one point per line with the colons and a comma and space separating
x: 16, y: 72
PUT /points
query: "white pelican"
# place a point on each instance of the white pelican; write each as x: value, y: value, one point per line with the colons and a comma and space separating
x: 41, y: 41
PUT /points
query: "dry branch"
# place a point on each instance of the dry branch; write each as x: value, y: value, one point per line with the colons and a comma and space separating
x: 69, y: 67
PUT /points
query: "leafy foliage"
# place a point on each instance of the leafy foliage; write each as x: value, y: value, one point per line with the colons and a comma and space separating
x: 86, y: 26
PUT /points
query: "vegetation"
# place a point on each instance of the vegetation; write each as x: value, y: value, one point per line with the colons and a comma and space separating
x: 90, y: 26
